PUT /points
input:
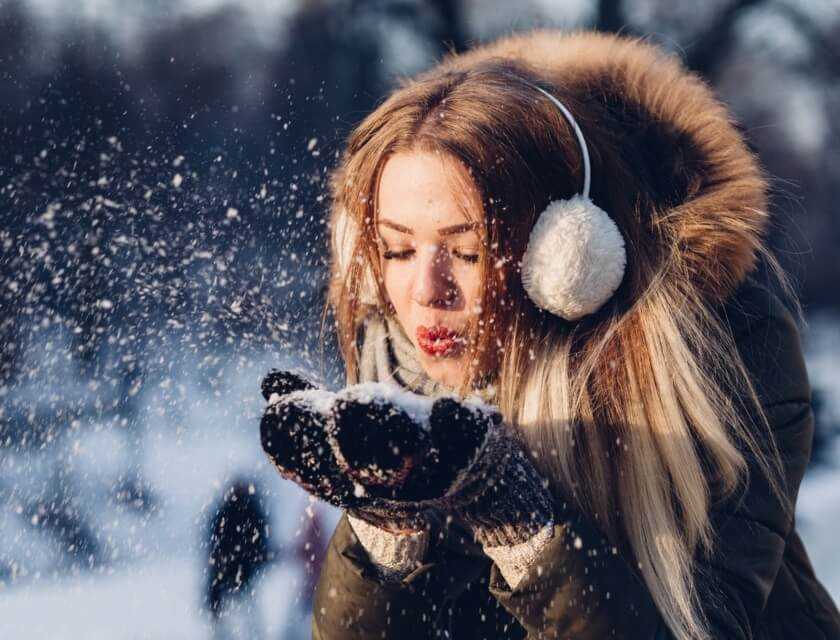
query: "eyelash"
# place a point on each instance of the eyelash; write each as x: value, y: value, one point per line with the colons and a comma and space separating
x: 403, y: 255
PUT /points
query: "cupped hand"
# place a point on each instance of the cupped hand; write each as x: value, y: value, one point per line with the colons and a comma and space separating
x: 300, y: 436
x: 293, y: 434
x: 402, y: 446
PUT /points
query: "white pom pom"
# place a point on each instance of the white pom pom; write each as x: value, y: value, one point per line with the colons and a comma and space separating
x: 575, y: 258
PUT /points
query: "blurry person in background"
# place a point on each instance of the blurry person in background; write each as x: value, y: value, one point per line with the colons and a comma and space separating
x: 238, y: 550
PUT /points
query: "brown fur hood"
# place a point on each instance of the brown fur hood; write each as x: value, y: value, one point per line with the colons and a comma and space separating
x: 714, y: 210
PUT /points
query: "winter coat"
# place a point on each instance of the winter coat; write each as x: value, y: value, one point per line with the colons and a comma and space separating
x: 712, y: 197
x: 759, y: 584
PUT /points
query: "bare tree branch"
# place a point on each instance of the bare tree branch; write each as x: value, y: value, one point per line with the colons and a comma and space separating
x: 610, y: 15
x: 452, y: 33
x: 713, y: 46
x: 827, y: 52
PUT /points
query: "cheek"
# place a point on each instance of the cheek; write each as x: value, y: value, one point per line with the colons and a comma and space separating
x: 397, y: 278
x: 469, y: 282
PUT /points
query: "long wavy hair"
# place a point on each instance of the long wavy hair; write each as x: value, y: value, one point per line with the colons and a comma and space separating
x: 643, y: 412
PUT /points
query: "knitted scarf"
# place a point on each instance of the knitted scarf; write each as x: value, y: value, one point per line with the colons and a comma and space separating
x: 386, y: 354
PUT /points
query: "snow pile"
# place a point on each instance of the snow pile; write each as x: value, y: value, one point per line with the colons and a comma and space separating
x: 103, y: 528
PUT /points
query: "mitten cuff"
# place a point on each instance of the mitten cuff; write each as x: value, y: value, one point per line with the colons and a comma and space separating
x: 514, y: 561
x: 395, y: 554
x: 513, y: 504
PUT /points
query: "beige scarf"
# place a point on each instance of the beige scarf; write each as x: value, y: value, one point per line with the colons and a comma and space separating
x: 387, y: 354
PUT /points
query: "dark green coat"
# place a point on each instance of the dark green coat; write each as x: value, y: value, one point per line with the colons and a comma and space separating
x: 759, y: 584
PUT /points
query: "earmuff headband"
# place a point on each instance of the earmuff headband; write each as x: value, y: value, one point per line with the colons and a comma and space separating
x: 575, y: 258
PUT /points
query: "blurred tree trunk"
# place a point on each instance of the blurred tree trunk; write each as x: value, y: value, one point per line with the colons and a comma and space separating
x: 452, y: 33
x: 610, y: 17
x: 715, y: 43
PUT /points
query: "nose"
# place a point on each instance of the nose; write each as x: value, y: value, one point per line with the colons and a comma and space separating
x: 434, y: 284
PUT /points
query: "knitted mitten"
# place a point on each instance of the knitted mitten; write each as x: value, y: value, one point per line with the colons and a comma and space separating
x: 446, y: 454
x: 297, y: 432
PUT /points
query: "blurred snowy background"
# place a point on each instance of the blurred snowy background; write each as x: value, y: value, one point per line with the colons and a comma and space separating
x: 162, y: 242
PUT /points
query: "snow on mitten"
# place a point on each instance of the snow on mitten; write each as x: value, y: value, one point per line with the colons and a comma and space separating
x: 281, y: 383
x: 294, y: 432
x: 450, y: 455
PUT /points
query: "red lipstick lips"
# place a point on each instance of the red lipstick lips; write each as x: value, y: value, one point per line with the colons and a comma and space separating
x: 439, y: 340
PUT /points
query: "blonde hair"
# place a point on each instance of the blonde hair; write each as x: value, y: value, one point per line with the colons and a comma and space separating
x: 643, y: 412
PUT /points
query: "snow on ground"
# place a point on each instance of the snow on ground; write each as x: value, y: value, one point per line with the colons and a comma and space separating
x: 149, y: 601
x: 817, y: 518
x: 818, y: 506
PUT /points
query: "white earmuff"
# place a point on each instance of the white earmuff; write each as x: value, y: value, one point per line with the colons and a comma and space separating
x: 575, y: 258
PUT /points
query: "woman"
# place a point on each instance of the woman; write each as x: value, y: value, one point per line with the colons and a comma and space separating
x: 567, y: 228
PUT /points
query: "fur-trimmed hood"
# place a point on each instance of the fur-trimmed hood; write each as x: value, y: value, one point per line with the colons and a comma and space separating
x: 722, y: 218
x: 715, y: 204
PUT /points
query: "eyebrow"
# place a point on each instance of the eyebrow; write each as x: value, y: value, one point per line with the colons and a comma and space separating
x: 444, y: 231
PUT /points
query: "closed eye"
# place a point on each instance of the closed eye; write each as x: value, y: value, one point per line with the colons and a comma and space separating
x: 397, y: 255
x: 467, y: 257
x: 404, y: 255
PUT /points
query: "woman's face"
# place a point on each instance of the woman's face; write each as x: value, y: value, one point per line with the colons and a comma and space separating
x: 429, y: 255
